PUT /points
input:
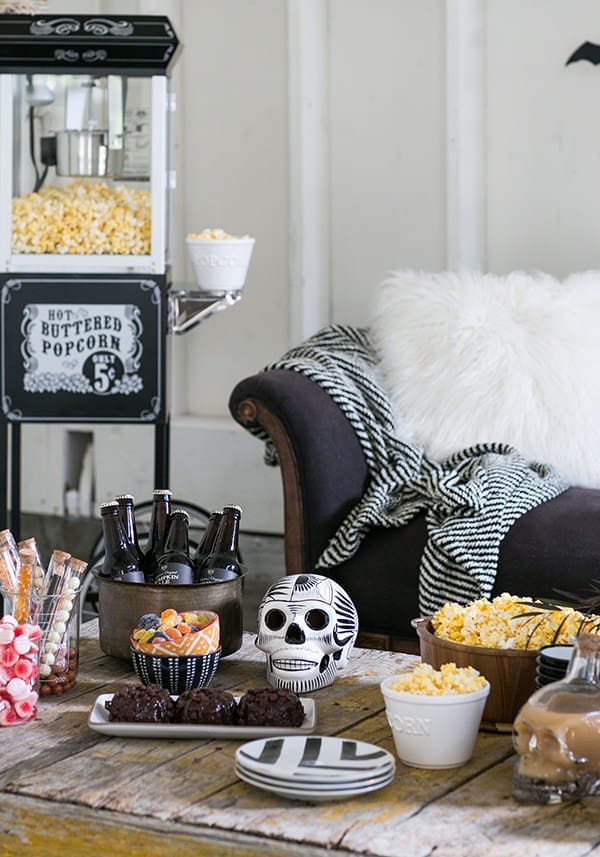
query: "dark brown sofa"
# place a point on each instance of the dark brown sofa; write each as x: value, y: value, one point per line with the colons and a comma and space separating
x: 324, y: 473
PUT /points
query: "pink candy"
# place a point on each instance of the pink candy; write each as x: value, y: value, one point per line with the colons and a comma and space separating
x: 22, y: 645
x: 18, y: 671
x: 7, y: 635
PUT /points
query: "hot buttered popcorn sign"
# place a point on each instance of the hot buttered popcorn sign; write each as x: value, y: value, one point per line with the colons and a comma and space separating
x: 82, y: 350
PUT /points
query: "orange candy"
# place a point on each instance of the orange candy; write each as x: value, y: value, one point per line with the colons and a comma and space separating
x: 173, y: 633
x: 189, y: 633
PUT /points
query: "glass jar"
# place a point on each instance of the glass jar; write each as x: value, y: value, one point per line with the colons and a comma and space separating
x: 18, y: 670
x: 557, y: 732
x: 59, y: 643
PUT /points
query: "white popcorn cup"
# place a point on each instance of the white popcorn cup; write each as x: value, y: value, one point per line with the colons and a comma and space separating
x: 433, y: 731
x: 220, y: 264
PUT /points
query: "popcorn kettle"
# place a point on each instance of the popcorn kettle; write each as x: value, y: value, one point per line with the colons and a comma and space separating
x: 92, y: 141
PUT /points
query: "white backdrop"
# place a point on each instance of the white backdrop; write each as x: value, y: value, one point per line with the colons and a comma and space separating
x: 350, y: 139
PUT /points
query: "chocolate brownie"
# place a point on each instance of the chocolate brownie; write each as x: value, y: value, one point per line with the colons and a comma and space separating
x: 206, y: 705
x: 138, y: 703
x: 270, y: 707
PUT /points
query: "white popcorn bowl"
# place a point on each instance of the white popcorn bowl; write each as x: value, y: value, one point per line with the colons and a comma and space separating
x: 433, y: 731
x: 220, y: 263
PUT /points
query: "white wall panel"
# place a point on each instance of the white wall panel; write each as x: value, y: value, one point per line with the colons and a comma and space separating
x: 388, y: 145
x: 543, y: 137
x: 235, y: 176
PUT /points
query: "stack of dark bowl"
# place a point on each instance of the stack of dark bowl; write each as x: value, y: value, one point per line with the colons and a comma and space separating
x: 552, y: 663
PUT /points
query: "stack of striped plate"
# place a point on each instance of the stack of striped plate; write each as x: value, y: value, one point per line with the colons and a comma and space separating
x: 314, y: 768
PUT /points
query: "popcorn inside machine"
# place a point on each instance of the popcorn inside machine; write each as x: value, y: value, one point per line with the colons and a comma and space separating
x: 84, y: 188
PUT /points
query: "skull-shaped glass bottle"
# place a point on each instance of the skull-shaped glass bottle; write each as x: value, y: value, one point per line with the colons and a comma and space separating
x: 557, y: 732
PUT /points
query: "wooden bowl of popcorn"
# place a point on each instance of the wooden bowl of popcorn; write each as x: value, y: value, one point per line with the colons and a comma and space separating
x: 500, y: 638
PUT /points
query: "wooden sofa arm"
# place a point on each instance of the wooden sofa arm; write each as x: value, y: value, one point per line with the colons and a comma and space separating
x: 323, y: 469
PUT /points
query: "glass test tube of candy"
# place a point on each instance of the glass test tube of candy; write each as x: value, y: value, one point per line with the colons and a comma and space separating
x: 59, y: 649
x: 38, y: 570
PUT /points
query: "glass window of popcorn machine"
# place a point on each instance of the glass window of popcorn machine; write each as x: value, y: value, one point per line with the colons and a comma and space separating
x: 89, y: 172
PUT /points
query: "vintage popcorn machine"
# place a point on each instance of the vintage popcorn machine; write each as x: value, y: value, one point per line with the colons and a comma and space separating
x: 84, y: 189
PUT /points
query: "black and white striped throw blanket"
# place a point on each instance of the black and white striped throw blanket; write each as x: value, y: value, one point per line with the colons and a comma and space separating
x: 471, y: 499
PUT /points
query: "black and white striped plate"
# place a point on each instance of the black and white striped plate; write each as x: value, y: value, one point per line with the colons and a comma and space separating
x: 314, y: 759
x: 309, y: 786
x: 316, y: 793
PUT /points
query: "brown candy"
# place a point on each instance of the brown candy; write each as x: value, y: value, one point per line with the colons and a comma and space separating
x: 62, y: 676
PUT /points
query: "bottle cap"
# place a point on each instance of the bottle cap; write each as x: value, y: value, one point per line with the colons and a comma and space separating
x: 106, y: 508
x: 161, y: 491
x: 181, y: 512
x: 126, y: 497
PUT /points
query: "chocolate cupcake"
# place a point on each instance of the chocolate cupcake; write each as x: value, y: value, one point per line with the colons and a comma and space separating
x: 138, y: 703
x: 206, y: 705
x: 270, y: 707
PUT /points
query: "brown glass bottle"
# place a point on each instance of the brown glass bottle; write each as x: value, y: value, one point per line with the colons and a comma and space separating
x: 222, y: 562
x: 207, y: 542
x: 126, y: 511
x: 120, y: 562
x: 175, y: 565
x: 159, y: 524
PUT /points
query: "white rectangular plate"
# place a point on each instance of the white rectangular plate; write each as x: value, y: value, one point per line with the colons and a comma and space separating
x: 99, y: 722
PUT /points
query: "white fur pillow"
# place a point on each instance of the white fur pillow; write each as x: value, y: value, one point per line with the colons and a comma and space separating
x: 472, y: 358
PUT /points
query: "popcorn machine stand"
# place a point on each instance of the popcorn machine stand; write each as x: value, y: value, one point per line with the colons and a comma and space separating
x: 84, y: 185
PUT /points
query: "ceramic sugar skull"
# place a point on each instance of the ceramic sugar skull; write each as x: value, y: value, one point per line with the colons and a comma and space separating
x: 307, y: 624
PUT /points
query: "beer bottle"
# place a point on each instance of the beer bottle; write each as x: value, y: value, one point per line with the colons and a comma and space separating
x: 120, y: 561
x: 222, y: 562
x: 175, y: 565
x: 127, y: 514
x: 207, y: 542
x: 159, y: 524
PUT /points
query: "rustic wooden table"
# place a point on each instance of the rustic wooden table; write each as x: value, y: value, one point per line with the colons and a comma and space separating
x: 67, y: 790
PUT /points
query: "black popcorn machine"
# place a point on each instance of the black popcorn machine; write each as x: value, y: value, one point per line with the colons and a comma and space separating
x: 86, y: 298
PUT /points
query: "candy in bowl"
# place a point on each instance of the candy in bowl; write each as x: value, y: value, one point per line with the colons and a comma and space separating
x: 178, y: 651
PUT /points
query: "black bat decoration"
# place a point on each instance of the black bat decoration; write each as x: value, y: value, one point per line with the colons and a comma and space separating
x: 587, y: 51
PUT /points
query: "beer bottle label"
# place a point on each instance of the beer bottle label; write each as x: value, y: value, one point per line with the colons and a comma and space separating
x: 174, y: 572
x: 217, y: 575
x: 131, y: 577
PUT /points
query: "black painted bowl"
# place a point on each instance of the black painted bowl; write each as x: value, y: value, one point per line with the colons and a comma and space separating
x: 555, y: 657
x: 176, y: 673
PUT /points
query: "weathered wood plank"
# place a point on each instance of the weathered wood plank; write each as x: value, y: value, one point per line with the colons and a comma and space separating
x: 123, y: 791
x: 78, y: 756
x: 28, y: 829
x: 481, y: 817
x: 244, y: 807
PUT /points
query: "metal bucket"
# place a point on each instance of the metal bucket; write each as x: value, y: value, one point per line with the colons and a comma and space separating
x: 120, y: 605
x: 86, y: 153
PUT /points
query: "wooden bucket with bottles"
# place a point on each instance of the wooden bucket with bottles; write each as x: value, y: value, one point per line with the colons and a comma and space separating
x: 132, y: 581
